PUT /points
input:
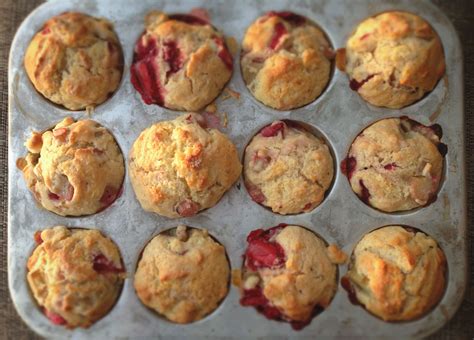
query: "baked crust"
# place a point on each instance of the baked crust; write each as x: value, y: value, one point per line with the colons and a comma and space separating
x: 75, y: 60
x: 285, y: 60
x: 288, y: 273
x: 393, y: 59
x: 180, y: 167
x: 183, y: 275
x: 181, y: 62
x: 396, y: 164
x: 398, y: 274
x: 287, y: 168
x: 74, y: 169
x: 75, y: 275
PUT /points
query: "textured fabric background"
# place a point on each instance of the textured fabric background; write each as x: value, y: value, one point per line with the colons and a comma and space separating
x: 461, y: 12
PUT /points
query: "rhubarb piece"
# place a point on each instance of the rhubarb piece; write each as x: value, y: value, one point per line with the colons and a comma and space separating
x: 55, y: 318
x: 290, y: 17
x: 273, y: 129
x: 103, y: 265
x: 280, y: 31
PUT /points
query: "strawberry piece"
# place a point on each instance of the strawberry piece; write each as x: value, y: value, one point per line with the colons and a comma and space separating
x: 55, y: 318
x: 348, y: 166
x: 390, y: 166
x: 109, y: 196
x: 224, y: 53
x: 143, y: 73
x: 365, y: 194
x: 273, y: 129
x: 38, y: 238
x: 53, y: 196
x: 191, y: 19
x: 187, y: 208
x: 288, y: 16
x: 202, y: 14
x: 261, y: 252
x: 356, y: 85
x: 103, y: 265
x: 173, y: 56
x: 280, y: 31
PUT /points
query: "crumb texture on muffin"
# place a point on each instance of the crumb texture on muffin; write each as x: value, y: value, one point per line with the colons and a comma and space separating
x: 288, y: 274
x: 180, y: 167
x: 181, y: 62
x: 285, y: 60
x: 287, y: 168
x: 397, y: 274
x: 393, y: 59
x: 75, y: 275
x: 183, y: 275
x: 396, y: 164
x: 75, y: 60
x: 74, y: 169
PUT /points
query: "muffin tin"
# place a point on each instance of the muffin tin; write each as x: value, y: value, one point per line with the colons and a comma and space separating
x: 339, y: 114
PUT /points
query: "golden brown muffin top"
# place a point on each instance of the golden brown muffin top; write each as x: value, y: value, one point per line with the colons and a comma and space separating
x: 183, y: 274
x: 393, y: 59
x: 75, y: 275
x: 397, y: 274
x: 75, y: 60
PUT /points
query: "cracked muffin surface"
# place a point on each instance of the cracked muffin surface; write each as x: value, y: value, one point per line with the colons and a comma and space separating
x: 180, y: 167
x: 287, y: 168
x: 75, y: 275
x: 289, y: 273
x: 74, y: 169
x: 393, y: 59
x: 75, y: 60
x: 397, y: 273
x: 183, y: 274
x: 396, y: 164
x: 285, y: 60
x: 181, y: 62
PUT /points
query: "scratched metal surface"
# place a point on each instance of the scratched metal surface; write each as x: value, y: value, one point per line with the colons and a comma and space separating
x: 339, y: 114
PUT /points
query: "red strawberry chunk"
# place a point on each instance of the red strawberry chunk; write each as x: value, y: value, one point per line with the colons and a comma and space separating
x: 187, y: 208
x: 261, y: 252
x: 202, y: 14
x: 288, y: 16
x: 109, y: 196
x: 103, y: 265
x: 390, y: 166
x: 356, y: 85
x: 55, y: 318
x: 365, y: 194
x: 38, y: 238
x: 254, y: 297
x: 191, y: 19
x: 224, y: 53
x: 53, y: 196
x: 273, y: 129
x: 143, y: 73
x: 280, y: 31
x: 348, y: 166
x: 173, y: 56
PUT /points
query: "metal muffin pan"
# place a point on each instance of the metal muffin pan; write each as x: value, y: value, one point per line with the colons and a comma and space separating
x: 339, y: 114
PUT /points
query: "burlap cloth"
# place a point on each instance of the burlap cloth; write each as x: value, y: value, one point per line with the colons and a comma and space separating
x: 461, y: 12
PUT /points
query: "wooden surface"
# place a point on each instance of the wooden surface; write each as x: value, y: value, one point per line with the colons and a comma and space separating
x: 461, y: 13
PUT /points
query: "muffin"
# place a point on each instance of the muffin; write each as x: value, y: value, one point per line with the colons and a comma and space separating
x: 180, y: 62
x: 287, y: 169
x: 285, y: 60
x: 393, y: 59
x: 289, y: 274
x: 396, y: 164
x: 397, y: 273
x: 75, y: 275
x: 75, y: 60
x: 74, y: 169
x: 180, y: 167
x: 183, y: 274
